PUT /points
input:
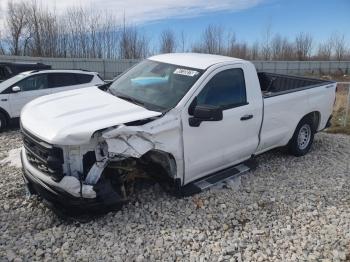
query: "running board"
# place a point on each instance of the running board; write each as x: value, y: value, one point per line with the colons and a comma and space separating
x: 218, y: 177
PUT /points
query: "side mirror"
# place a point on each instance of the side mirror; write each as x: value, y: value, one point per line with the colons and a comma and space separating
x: 16, y: 89
x: 104, y: 87
x: 205, y: 113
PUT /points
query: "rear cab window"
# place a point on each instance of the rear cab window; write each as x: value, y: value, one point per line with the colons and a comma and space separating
x: 226, y: 89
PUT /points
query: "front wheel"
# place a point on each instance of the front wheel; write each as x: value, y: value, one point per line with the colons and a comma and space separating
x: 3, y: 122
x: 303, y: 138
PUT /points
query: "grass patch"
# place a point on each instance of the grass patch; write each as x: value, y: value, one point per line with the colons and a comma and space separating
x: 339, y: 112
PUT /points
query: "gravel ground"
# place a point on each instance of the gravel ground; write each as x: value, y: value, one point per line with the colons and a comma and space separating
x: 288, y: 209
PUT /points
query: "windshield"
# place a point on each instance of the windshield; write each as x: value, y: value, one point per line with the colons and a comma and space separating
x: 154, y: 85
x: 11, y: 81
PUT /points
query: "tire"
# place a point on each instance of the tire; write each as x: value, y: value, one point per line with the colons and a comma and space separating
x: 3, y: 122
x: 303, y: 137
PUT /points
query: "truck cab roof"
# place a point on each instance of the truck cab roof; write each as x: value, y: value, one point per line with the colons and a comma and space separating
x: 194, y: 60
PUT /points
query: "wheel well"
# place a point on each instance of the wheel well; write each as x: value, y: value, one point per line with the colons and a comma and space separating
x: 154, y: 160
x: 124, y: 176
x: 315, y: 117
x: 163, y: 159
x: 3, y: 111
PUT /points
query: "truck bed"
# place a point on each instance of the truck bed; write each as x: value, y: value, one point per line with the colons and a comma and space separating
x: 275, y: 84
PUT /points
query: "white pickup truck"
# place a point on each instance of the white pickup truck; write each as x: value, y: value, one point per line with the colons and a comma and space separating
x: 192, y: 120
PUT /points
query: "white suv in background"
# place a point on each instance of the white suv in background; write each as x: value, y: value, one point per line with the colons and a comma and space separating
x: 24, y: 87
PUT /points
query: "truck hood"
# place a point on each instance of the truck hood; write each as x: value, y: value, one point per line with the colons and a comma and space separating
x: 72, y: 117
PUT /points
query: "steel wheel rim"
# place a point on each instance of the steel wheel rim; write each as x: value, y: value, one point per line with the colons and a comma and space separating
x: 304, y: 136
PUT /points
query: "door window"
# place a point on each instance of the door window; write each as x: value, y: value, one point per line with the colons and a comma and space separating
x: 35, y: 82
x: 62, y: 79
x: 226, y: 89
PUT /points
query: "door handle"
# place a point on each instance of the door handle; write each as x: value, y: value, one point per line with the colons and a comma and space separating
x: 4, y: 100
x: 246, y: 117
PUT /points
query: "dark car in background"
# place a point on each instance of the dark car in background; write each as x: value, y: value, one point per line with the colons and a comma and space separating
x: 8, y: 69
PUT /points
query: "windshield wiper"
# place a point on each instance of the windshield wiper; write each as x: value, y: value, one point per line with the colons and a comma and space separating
x: 131, y: 99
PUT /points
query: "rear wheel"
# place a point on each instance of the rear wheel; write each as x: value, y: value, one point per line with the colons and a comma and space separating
x: 303, y: 137
x: 3, y: 122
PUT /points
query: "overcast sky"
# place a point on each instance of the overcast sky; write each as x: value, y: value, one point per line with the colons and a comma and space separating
x: 248, y: 18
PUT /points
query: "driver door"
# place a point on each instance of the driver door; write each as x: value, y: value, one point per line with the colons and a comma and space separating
x: 215, y: 145
x: 30, y: 88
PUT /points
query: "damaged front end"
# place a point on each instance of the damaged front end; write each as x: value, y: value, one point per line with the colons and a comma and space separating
x: 104, y: 174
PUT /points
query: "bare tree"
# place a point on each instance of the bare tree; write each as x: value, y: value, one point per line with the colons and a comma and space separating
x: 62, y: 41
x: 35, y: 23
x: 339, y: 46
x: 324, y: 51
x: 277, y: 47
x: 288, y: 50
x: 88, y: 33
x: 254, y: 51
x: 266, y: 43
x: 16, y: 23
x: 182, y: 41
x: 167, y: 41
x: 2, y: 48
x: 211, y: 41
x: 94, y: 26
x: 77, y: 19
x: 231, y: 44
x: 40, y: 33
x: 241, y: 50
x: 109, y: 37
x: 132, y: 44
x: 235, y: 48
x: 303, y: 45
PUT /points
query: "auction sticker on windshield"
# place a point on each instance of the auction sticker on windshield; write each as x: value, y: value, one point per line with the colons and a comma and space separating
x: 185, y: 72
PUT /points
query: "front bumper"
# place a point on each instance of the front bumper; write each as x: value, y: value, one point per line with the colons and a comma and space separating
x: 61, y: 201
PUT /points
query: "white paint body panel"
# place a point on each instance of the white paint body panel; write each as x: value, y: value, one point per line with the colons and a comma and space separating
x: 322, y: 99
x: 282, y: 114
x: 219, y: 144
x: 71, y: 118
x: 18, y: 100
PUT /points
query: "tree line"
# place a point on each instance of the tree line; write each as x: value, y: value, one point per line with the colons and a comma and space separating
x: 33, y: 30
